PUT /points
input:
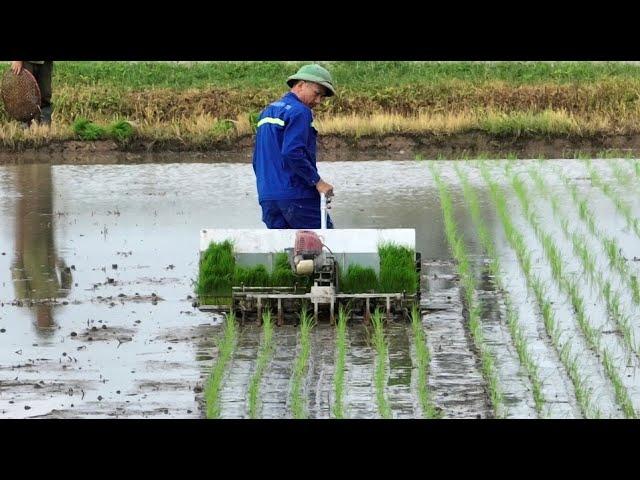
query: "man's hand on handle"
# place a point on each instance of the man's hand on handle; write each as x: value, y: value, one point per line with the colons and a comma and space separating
x: 327, y: 189
x: 16, y: 66
x: 324, y: 187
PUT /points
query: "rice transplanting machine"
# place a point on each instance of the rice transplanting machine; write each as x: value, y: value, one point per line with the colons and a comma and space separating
x: 317, y: 256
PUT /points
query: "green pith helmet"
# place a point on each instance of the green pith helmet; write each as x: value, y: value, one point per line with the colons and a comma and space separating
x: 314, y: 73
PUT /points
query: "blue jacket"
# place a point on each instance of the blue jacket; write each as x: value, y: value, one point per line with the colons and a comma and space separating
x: 284, y: 158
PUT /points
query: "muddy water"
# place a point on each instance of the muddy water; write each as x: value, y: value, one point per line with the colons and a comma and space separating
x: 319, y: 387
x: 455, y: 379
x: 96, y: 277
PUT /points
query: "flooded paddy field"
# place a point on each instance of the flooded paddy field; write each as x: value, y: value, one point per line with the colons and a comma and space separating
x: 529, y: 307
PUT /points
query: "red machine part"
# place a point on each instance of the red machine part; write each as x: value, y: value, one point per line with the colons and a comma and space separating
x: 307, y: 242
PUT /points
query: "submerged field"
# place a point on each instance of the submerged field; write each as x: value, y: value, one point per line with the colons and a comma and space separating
x: 535, y: 314
x: 530, y: 295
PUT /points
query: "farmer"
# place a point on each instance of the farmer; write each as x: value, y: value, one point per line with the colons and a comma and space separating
x: 42, y: 71
x: 284, y: 158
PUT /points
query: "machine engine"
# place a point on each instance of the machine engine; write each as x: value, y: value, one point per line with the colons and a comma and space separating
x: 307, y: 257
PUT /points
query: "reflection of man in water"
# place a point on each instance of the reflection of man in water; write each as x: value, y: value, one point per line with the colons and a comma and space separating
x: 38, y: 274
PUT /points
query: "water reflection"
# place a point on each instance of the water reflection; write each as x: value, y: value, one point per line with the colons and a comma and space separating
x: 40, y: 275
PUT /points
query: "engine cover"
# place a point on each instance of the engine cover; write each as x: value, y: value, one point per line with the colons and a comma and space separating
x: 308, y: 244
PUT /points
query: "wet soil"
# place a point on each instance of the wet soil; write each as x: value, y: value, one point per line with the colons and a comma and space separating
x: 331, y: 147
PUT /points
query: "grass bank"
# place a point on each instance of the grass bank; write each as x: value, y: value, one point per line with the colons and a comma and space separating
x: 201, y: 104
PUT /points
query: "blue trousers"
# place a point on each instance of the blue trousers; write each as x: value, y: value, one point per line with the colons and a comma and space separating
x: 298, y: 214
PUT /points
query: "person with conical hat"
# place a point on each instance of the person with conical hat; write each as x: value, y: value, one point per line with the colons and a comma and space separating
x: 284, y: 157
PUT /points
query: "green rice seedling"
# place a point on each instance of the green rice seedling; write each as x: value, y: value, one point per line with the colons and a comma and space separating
x: 423, y: 359
x: 622, y: 396
x: 635, y: 289
x: 456, y: 245
x: 580, y: 155
x: 282, y: 275
x: 226, y: 346
x: 513, y: 322
x: 611, y: 298
x: 358, y: 279
x: 570, y: 287
x: 583, y: 392
x: 300, y: 365
x: 217, y: 269
x: 88, y: 130
x: 609, y: 244
x: 418, y: 157
x: 621, y: 176
x: 341, y: 353
x: 256, y: 276
x: 517, y: 243
x: 397, y: 269
x: 121, y: 130
x: 380, y: 375
x: 266, y: 350
x: 622, y: 207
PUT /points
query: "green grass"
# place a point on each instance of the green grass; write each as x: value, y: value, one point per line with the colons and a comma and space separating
x: 226, y: 346
x: 298, y: 403
x: 205, y: 104
x: 348, y: 75
x: 341, y: 353
x: 266, y: 350
x: 527, y: 123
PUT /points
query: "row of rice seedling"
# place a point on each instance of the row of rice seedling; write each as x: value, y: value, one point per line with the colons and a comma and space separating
x: 218, y: 272
x: 609, y: 244
x: 341, y: 353
x: 457, y: 248
x: 226, y: 346
x: 397, y: 273
x: 622, y: 176
x: 300, y: 365
x: 266, y: 350
x: 570, y: 287
x: 562, y: 345
x: 423, y: 358
x: 515, y: 329
x: 595, y: 278
x: 622, y: 207
x: 380, y: 375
